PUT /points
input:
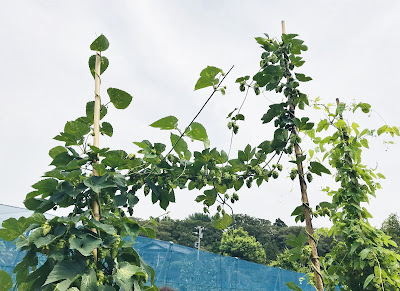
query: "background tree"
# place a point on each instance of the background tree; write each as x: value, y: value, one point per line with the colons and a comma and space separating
x: 182, y: 231
x: 238, y: 243
x: 391, y: 226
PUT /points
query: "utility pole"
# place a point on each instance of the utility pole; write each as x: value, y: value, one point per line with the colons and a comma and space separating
x: 199, y: 232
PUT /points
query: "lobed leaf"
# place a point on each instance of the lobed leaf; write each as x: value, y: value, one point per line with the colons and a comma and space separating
x: 318, y: 168
x: 302, y: 77
x: 222, y: 222
x: 207, y: 77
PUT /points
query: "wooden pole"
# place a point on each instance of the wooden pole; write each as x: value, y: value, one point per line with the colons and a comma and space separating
x: 304, y: 200
x: 96, y: 131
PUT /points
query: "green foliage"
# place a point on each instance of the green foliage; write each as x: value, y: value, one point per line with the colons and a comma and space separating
x: 5, y: 281
x: 119, y: 98
x: 198, y: 132
x: 222, y: 222
x: 361, y: 258
x: 103, y: 65
x: 293, y: 286
x: 208, y: 78
x: 391, y: 227
x: 70, y: 243
x: 181, y: 231
x: 272, y: 237
x: 238, y: 243
x: 100, y: 44
x: 169, y: 122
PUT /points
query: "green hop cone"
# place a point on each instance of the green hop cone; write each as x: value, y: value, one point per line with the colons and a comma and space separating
x: 249, y: 182
x: 293, y: 174
x: 46, y: 227
x: 235, y: 128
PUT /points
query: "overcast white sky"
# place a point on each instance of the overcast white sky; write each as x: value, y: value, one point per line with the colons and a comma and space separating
x: 157, y: 50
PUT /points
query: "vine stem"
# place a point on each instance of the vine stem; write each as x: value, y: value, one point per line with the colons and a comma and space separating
x: 304, y: 198
x: 96, y: 131
x: 194, y: 118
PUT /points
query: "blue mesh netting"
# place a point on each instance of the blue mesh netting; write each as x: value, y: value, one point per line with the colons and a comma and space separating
x: 184, y: 268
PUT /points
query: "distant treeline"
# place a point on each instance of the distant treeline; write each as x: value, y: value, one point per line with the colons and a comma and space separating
x: 271, y: 236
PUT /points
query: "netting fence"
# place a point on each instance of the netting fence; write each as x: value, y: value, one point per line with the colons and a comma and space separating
x: 187, y: 269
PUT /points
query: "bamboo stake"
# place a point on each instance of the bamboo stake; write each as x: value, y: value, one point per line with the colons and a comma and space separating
x: 304, y: 199
x: 96, y: 131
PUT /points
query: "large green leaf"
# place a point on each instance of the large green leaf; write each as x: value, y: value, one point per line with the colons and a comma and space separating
x: 103, y: 65
x: 104, y: 227
x: 119, y: 98
x: 207, y: 77
x: 273, y: 111
x: 85, y: 243
x: 169, y: 122
x: 65, y: 272
x: 56, y: 151
x: 318, y: 168
x: 124, y: 276
x: 46, y: 185
x: 210, y: 196
x: 365, y: 107
x: 97, y: 183
x: 43, y: 240
x: 13, y: 228
x: 368, y: 280
x: 149, y: 270
x: 100, y: 44
x: 303, y: 78
x: 197, y: 131
x: 293, y: 286
x: 38, y: 205
x: 61, y: 159
x: 90, y: 111
x: 107, y: 129
x: 269, y: 77
x: 76, y: 128
x: 100, y: 169
x: 89, y: 280
x: 115, y: 158
x: 222, y: 222
x: 180, y: 147
x: 323, y: 124
x: 5, y: 281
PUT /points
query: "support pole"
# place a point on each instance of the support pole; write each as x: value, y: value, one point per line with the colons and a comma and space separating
x: 200, y: 234
x: 304, y: 200
x: 96, y: 132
